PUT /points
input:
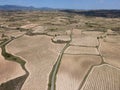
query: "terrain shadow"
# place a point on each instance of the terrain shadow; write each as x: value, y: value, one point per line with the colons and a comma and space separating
x: 15, y: 84
x: 96, y: 13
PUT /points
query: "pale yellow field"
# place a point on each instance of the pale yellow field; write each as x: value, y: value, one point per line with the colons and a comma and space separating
x: 73, y: 69
x: 9, y: 70
x: 40, y: 54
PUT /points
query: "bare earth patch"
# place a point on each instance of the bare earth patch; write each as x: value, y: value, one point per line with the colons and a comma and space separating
x: 9, y: 70
x: 40, y: 54
x: 73, y: 69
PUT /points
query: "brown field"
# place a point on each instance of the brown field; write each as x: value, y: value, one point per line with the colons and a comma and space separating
x: 40, y: 54
x: 73, y: 69
x: 103, y: 77
x: 9, y: 70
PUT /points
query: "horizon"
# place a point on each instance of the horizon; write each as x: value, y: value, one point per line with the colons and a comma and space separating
x: 55, y: 8
x: 66, y: 4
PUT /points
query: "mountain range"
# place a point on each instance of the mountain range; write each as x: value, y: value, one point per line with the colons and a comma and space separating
x: 97, y: 13
x: 16, y: 7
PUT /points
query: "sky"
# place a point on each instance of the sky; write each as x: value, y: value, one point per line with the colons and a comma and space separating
x: 66, y: 4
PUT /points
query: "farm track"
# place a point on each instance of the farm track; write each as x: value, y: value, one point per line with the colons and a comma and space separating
x: 52, y: 76
x: 102, y: 62
x: 93, y: 66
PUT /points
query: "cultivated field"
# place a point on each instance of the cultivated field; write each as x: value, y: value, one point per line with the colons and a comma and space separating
x: 76, y: 50
x: 73, y: 70
x: 9, y: 70
x: 81, y: 41
x: 59, y: 50
x: 104, y: 77
x: 40, y: 54
x: 110, y: 49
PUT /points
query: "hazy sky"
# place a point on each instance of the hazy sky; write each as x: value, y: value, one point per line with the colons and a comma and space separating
x: 71, y: 4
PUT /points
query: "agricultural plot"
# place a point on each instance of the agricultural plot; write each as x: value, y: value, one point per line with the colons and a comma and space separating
x: 84, y: 41
x: 61, y: 39
x: 9, y: 70
x: 40, y: 54
x: 76, y: 32
x: 73, y: 70
x: 110, y: 49
x: 29, y: 26
x: 59, y: 50
x: 103, y: 77
x: 81, y: 50
x: 113, y: 39
x: 93, y: 33
x: 13, y: 33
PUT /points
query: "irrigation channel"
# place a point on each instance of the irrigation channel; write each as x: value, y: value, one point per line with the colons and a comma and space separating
x: 53, y: 73
x: 17, y: 83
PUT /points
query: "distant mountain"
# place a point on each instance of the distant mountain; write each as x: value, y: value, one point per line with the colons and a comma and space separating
x: 46, y: 8
x: 16, y: 7
x: 96, y: 13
